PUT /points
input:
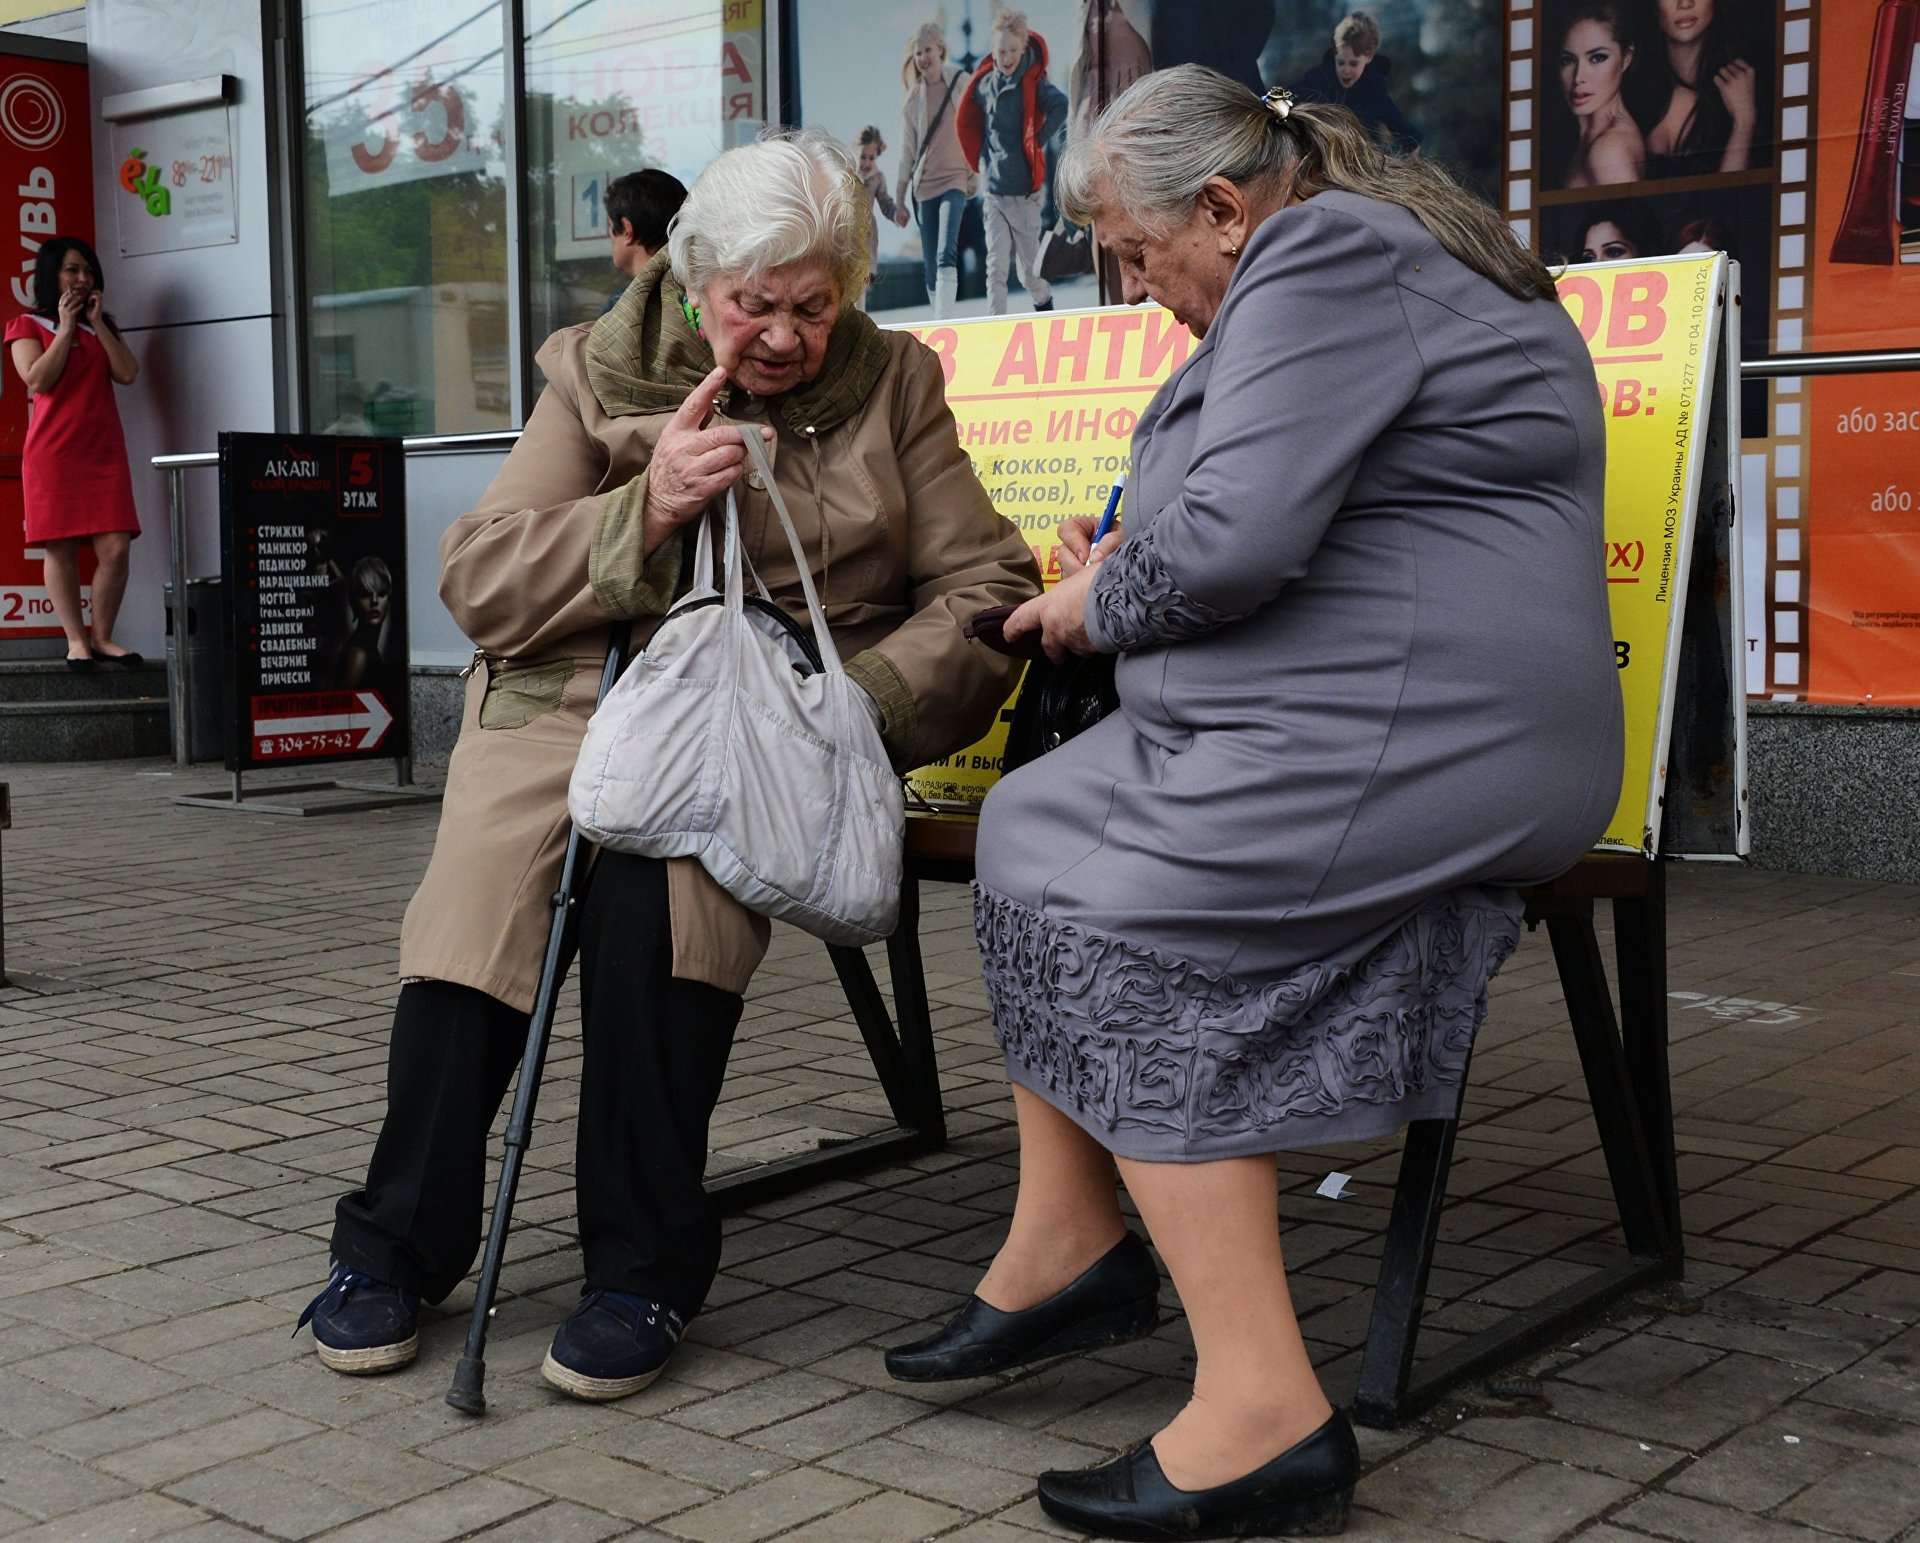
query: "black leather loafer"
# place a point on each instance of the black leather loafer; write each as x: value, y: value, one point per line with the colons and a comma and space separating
x: 1117, y: 1299
x: 1305, y: 1492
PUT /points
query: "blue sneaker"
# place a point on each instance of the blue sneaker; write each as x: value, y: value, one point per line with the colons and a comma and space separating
x: 363, y: 1325
x: 614, y: 1344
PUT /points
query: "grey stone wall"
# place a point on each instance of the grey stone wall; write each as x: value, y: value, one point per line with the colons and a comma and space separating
x: 438, y: 694
x: 1835, y: 790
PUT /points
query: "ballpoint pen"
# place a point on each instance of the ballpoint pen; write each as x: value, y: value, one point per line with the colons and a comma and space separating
x: 1112, y: 509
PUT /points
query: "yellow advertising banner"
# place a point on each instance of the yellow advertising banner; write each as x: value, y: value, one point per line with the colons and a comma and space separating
x: 1654, y: 329
x: 12, y: 11
x: 1047, y: 407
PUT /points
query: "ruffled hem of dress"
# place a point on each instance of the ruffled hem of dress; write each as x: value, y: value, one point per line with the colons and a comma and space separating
x: 1163, y: 1061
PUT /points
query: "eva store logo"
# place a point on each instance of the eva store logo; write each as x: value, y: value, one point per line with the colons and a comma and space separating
x: 143, y: 181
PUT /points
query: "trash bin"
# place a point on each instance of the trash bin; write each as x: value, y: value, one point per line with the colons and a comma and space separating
x: 206, y: 672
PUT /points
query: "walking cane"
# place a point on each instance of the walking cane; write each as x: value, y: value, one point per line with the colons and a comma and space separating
x: 467, y: 1393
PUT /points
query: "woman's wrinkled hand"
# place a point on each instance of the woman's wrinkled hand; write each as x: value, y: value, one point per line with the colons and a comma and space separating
x: 693, y: 464
x: 1076, y: 543
x: 1059, y: 616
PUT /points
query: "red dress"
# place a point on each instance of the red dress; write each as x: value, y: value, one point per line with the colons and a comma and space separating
x: 74, y: 469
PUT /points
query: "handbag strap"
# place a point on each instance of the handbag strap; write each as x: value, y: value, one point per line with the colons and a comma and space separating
x: 926, y: 139
x: 703, y: 559
x: 736, y: 557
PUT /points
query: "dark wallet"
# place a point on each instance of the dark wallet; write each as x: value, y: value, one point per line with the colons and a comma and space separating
x: 1056, y: 701
x: 988, y: 627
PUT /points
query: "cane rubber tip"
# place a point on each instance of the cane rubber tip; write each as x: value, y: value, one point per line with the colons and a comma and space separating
x: 465, y: 1394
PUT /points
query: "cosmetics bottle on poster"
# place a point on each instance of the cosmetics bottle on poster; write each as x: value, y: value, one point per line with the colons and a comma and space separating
x: 1869, y: 225
x: 1910, y: 168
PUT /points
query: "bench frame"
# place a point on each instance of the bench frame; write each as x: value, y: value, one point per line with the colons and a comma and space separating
x: 1625, y: 1062
x: 903, y: 1059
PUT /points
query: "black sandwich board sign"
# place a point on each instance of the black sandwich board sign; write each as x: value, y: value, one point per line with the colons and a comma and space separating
x: 313, y: 555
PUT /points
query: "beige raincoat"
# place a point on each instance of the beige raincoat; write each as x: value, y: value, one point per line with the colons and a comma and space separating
x: 905, y: 546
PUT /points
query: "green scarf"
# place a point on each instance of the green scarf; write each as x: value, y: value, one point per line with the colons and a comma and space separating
x: 644, y: 357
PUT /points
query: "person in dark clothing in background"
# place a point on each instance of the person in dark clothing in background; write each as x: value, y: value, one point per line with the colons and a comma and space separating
x: 640, y: 205
x: 1353, y: 75
x: 1224, y: 35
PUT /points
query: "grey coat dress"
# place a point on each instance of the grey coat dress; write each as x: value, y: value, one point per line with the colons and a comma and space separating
x: 1366, y: 689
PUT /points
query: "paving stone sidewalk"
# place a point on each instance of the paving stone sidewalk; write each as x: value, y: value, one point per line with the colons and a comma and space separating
x: 191, y: 1064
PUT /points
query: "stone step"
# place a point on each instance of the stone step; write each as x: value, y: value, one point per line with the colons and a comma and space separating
x: 49, y: 680
x: 91, y: 729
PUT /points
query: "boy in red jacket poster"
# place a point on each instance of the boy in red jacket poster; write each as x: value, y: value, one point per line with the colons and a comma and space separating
x: 1011, y: 120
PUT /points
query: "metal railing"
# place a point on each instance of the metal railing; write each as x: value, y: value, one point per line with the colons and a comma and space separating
x: 1877, y: 362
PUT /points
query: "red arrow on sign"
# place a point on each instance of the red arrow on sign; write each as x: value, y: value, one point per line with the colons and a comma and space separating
x: 362, y: 714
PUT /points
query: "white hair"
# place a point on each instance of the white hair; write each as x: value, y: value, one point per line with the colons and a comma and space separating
x: 789, y: 197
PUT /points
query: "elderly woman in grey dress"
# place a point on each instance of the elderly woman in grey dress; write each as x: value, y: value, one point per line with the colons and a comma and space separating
x: 1366, y: 692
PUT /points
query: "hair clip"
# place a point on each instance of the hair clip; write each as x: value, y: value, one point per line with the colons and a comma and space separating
x: 1279, y: 102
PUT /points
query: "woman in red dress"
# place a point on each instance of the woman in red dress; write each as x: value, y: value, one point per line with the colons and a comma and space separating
x: 74, y: 472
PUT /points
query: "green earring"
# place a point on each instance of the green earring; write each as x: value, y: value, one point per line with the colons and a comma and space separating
x: 692, y: 313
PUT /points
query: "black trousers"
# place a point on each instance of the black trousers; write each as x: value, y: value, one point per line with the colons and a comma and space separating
x: 655, y: 1055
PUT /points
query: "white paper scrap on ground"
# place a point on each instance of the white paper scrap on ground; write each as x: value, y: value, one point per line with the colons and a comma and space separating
x: 1334, y: 1185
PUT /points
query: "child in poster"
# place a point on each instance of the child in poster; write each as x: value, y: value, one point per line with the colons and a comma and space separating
x: 1011, y: 122
x: 869, y: 146
x: 1354, y: 75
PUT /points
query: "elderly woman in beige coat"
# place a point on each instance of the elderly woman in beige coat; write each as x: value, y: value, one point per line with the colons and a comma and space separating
x: 747, y: 318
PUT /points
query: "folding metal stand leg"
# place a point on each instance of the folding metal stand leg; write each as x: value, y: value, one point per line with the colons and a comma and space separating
x: 1640, y: 938
x: 1615, y: 1114
x: 915, y: 1013
x: 870, y: 1014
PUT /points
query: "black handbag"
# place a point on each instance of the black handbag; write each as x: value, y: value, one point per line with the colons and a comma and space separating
x: 1065, y: 253
x: 1056, y: 701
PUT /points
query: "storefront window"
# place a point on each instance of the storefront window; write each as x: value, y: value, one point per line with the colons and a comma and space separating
x: 615, y: 86
x: 406, y: 222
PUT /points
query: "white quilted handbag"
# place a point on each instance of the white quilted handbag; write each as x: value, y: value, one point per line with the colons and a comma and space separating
x: 737, y: 740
